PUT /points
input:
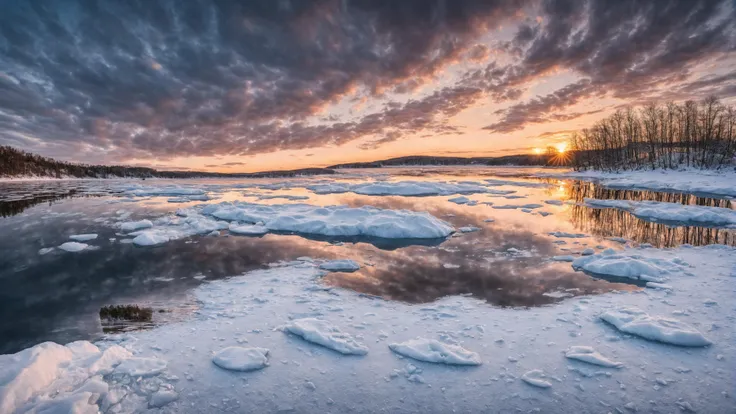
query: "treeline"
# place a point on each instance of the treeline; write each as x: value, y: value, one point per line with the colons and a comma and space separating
x: 691, y: 134
x: 17, y: 163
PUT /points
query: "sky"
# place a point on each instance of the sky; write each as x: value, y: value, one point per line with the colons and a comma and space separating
x: 240, y: 86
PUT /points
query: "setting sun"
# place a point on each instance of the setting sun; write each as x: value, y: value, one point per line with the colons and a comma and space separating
x: 561, y: 147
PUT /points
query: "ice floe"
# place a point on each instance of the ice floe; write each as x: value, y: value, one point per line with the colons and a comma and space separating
x: 295, y: 218
x: 517, y: 206
x: 73, y: 247
x: 247, y: 229
x: 83, y: 237
x: 323, y: 333
x: 627, y: 265
x: 432, y: 350
x: 670, y: 212
x: 343, y: 265
x: 459, y: 200
x: 562, y: 234
x: 654, y: 328
x: 589, y: 355
x: 468, y: 229
x: 536, y: 378
x: 401, y: 188
x: 54, y: 378
x: 235, y: 358
x: 135, y: 225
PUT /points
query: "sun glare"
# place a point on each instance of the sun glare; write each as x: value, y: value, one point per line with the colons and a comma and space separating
x: 537, y: 151
x: 561, y: 147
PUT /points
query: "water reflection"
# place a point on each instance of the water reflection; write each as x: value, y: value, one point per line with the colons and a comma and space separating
x: 618, y: 223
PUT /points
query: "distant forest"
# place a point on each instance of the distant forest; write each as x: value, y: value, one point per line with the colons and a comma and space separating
x: 692, y: 134
x: 17, y: 163
x: 428, y: 160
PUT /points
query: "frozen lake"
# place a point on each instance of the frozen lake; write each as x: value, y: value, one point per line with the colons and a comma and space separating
x: 502, y: 238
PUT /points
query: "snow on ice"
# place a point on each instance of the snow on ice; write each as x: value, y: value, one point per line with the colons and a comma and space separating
x: 670, y: 212
x: 323, y: 333
x: 296, y: 218
x: 247, y: 229
x: 130, y: 226
x: 431, y: 350
x: 73, y: 247
x: 83, y: 237
x: 235, y: 358
x: 589, y: 355
x: 536, y: 378
x: 627, y: 265
x: 654, y: 328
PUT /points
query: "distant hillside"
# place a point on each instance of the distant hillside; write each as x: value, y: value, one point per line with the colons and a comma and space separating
x: 542, y: 159
x: 17, y: 163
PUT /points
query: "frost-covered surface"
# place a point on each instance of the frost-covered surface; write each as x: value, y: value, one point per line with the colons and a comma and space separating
x: 711, y: 182
x: 321, y: 332
x: 342, y: 265
x: 542, y: 345
x: 670, y: 212
x: 253, y: 219
x: 431, y: 350
x: 73, y: 247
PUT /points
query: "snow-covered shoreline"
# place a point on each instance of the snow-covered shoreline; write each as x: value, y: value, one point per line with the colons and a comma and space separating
x: 693, y: 181
x: 563, y: 348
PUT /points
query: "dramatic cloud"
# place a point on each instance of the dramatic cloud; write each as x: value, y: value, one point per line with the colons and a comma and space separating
x: 166, y: 78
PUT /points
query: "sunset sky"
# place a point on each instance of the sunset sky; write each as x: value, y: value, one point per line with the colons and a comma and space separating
x: 237, y: 86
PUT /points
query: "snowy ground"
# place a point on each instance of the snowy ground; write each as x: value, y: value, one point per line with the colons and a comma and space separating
x: 520, y: 350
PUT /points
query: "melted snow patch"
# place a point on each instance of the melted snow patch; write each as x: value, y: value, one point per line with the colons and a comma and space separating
x: 430, y: 350
x: 236, y: 358
x: 73, y: 247
x: 343, y: 265
x: 589, y: 355
x: 654, y: 328
x: 323, y: 333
